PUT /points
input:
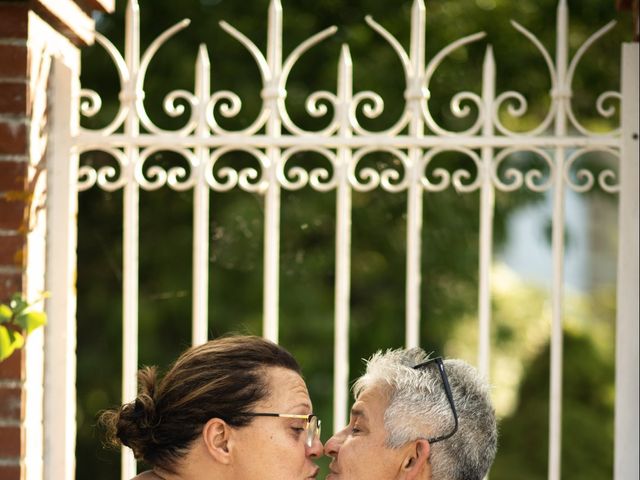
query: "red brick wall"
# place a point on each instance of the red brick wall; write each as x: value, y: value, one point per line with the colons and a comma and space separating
x: 11, y: 413
x: 14, y: 112
x: 15, y: 188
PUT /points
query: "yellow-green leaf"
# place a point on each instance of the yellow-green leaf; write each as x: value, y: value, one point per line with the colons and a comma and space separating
x: 29, y: 321
x: 5, y: 313
x: 17, y: 340
x: 7, y: 345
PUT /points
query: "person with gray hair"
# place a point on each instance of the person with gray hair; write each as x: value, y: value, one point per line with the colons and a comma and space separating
x: 416, y: 418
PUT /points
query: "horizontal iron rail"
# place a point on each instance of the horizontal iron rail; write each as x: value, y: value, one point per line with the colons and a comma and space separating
x: 143, y: 140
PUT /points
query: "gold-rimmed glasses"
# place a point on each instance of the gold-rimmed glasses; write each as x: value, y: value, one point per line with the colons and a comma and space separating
x: 312, y: 425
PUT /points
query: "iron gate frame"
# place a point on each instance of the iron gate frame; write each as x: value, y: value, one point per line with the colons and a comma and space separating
x: 343, y: 143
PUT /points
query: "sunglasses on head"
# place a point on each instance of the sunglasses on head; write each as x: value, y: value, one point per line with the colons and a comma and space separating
x: 445, y: 381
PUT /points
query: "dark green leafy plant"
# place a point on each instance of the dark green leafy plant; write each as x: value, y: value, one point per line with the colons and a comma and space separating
x: 17, y: 320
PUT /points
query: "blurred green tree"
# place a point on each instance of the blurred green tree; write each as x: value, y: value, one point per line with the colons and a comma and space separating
x: 587, y: 417
x: 450, y: 237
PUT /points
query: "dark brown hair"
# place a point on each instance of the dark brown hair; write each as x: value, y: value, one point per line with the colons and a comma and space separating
x: 224, y: 378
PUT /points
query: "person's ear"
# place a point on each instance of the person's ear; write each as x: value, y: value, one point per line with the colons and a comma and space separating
x: 416, y: 460
x: 216, y: 436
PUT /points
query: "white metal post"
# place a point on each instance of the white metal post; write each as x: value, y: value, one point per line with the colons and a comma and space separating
x: 343, y: 250
x: 270, y: 95
x: 560, y: 96
x: 60, y: 334
x: 130, y: 228
x: 41, y: 84
x: 487, y: 200
x: 413, y: 96
x: 627, y: 332
x: 200, y: 313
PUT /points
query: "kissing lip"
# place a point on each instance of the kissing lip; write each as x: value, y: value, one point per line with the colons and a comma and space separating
x: 315, y: 473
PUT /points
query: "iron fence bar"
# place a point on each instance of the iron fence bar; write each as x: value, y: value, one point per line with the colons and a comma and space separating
x: 200, y: 313
x: 87, y: 141
x: 130, y: 228
x: 487, y: 199
x: 557, y: 245
x: 343, y: 250
x: 413, y: 95
x: 271, y: 94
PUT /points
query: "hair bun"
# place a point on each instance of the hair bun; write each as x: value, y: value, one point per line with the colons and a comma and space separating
x: 133, y: 425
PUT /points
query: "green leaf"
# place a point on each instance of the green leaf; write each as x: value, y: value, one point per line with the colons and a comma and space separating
x: 29, y: 321
x: 5, y: 313
x: 7, y: 345
x: 17, y: 339
x: 18, y: 303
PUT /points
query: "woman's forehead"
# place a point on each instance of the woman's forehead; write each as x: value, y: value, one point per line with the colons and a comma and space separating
x: 287, y: 391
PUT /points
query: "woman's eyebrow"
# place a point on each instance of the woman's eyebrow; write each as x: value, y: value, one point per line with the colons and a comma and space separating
x: 303, y: 406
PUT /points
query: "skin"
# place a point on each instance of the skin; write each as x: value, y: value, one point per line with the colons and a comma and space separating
x: 278, y: 443
x: 269, y: 448
x: 359, y: 452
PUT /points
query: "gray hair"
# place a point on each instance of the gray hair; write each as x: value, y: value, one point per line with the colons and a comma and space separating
x: 418, y: 409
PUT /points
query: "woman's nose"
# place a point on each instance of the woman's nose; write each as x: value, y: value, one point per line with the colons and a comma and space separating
x: 316, y: 449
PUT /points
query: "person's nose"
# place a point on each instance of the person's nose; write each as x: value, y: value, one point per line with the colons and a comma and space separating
x: 316, y: 448
x: 332, y: 447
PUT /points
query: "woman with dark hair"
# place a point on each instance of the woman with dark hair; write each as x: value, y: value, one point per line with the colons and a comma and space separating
x: 235, y: 408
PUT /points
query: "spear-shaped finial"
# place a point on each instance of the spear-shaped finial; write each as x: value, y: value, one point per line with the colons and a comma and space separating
x: 345, y: 71
x: 418, y: 32
x: 274, y: 39
x: 203, y: 75
x: 132, y: 35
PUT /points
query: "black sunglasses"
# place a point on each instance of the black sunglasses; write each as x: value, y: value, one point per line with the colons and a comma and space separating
x: 443, y: 374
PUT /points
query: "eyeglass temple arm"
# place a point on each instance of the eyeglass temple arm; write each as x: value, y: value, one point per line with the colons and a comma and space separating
x: 447, y: 389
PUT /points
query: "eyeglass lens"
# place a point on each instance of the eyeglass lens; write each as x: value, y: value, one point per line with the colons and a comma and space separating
x: 313, y: 430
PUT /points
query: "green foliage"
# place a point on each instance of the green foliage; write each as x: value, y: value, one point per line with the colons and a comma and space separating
x: 587, y: 419
x: 17, y: 320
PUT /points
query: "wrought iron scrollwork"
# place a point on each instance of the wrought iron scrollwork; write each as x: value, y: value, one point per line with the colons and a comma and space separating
x: 273, y: 138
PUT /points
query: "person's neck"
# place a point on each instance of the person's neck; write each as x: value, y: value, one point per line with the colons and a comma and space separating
x: 195, y: 465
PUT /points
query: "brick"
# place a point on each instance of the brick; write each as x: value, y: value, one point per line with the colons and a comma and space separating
x: 13, y: 137
x: 14, y: 20
x: 13, y: 175
x: 10, y: 283
x: 12, y: 214
x: 13, y: 59
x: 12, y: 368
x: 10, y: 403
x: 10, y: 473
x: 12, y: 250
x: 13, y: 97
x: 10, y: 441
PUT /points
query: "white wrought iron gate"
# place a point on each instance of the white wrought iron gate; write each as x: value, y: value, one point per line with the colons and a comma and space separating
x: 273, y: 138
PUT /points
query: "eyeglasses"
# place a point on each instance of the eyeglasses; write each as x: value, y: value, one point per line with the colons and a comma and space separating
x: 443, y: 374
x: 312, y: 426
